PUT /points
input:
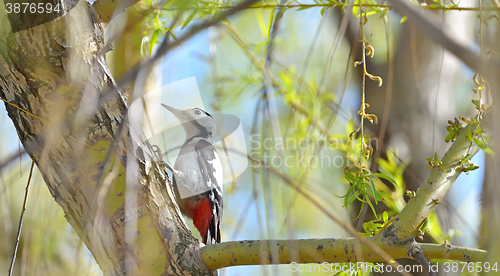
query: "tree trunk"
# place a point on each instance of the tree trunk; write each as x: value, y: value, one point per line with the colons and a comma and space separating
x: 52, y: 79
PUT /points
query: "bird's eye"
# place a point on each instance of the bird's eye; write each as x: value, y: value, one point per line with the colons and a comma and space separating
x: 197, y: 112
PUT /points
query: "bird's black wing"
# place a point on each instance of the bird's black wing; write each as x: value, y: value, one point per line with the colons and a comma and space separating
x: 211, y: 170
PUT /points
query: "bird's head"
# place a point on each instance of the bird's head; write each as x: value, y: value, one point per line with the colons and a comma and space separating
x: 196, y: 121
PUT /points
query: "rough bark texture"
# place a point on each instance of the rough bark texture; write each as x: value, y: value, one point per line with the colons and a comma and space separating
x: 51, y: 79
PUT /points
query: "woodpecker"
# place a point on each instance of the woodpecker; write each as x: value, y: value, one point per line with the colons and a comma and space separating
x: 198, y: 173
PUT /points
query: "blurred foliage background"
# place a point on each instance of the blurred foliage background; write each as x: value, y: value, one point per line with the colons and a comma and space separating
x: 295, y: 82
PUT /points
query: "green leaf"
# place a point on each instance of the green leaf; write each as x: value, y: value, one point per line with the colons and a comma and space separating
x: 323, y: 10
x: 347, y: 196
x: 355, y: 9
x: 359, y: 182
x: 373, y: 208
x: 173, y: 35
x: 374, y: 191
x: 469, y: 135
x: 189, y: 19
x: 448, y: 137
x: 386, y: 177
x: 360, y: 210
x: 423, y: 226
x: 434, y: 228
x: 484, y: 147
x: 270, y: 22
x: 356, y: 13
x: 476, y: 103
x: 378, y: 195
x: 304, y: 8
x: 385, y: 217
x: 154, y: 37
x: 382, y: 195
x: 350, y: 176
x: 384, y: 164
x: 367, y: 226
x: 352, y: 198
x: 262, y: 24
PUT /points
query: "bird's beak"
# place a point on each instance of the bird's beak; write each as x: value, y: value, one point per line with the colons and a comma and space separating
x: 177, y: 112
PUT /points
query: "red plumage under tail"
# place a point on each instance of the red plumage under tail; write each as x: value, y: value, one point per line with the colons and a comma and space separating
x: 202, y: 218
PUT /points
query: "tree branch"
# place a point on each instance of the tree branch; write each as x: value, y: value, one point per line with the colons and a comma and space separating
x: 450, y: 252
x: 429, y: 26
x: 259, y: 252
x: 435, y: 187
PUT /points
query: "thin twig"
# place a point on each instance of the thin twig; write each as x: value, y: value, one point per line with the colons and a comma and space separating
x: 388, y: 94
x: 272, y: 114
x: 21, y: 221
x: 340, y: 33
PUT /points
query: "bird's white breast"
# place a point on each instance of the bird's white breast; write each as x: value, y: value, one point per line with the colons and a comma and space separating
x: 217, y: 173
x: 194, y: 183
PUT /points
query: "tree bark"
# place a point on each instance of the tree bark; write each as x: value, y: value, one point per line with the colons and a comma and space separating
x: 52, y: 77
